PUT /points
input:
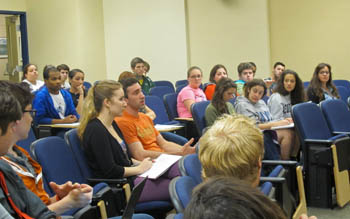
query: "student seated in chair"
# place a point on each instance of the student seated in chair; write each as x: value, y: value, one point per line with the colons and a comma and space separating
x: 52, y: 103
x: 146, y: 110
x: 138, y: 67
x: 232, y: 146
x: 139, y: 131
x: 107, y: 153
x: 12, y: 188
x: 68, y: 195
x: 228, y: 197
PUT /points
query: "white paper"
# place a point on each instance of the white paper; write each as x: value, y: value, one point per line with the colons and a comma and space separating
x: 68, y: 125
x: 161, y: 165
x: 160, y: 127
x: 291, y: 125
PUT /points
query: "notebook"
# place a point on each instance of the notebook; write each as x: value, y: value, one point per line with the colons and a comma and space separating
x: 161, y: 165
x: 134, y: 197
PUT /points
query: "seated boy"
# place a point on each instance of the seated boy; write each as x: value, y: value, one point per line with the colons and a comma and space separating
x: 245, y: 73
x: 138, y: 67
x: 52, y: 103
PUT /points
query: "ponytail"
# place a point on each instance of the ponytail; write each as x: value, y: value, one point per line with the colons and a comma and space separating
x: 94, y: 101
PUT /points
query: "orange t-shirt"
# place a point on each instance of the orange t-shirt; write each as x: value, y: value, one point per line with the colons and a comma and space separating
x: 34, y: 184
x: 209, y: 91
x: 139, y: 129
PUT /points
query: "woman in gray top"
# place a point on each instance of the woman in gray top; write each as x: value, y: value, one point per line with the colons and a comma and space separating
x: 224, y: 91
x: 289, y: 91
x: 252, y: 105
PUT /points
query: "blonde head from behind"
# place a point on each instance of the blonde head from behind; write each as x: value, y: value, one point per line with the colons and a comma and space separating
x: 94, y: 102
x: 232, y: 146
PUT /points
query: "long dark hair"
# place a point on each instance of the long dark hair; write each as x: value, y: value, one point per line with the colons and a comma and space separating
x: 213, y: 72
x: 316, y: 85
x: 298, y: 94
x: 218, y: 98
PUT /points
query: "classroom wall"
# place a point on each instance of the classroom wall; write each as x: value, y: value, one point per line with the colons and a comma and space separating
x: 67, y: 31
x: 13, y: 5
x: 154, y: 30
x: 228, y: 32
x: 305, y: 33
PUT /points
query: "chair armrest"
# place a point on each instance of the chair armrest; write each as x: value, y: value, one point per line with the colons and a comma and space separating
x: 273, y: 180
x: 280, y: 162
x: 320, y: 141
x: 341, y: 133
x: 116, y: 182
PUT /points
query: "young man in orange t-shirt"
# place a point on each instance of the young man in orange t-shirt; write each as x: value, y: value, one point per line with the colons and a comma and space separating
x: 139, y: 131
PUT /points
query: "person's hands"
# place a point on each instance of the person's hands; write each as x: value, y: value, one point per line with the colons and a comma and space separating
x: 304, y: 216
x: 187, y: 148
x: 81, y: 89
x: 62, y: 190
x: 70, y: 119
x: 290, y: 120
x: 79, y: 197
x: 268, y: 83
x: 145, y: 165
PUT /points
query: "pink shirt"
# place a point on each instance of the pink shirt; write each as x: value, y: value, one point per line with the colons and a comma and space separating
x: 188, y: 93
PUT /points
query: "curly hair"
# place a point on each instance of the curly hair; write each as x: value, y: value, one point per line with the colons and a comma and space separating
x: 298, y: 94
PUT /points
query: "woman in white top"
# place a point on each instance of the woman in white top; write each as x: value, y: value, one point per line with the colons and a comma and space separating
x: 30, y: 76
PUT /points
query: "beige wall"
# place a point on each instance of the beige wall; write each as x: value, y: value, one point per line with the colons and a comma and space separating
x: 305, y: 33
x: 74, y: 37
x: 228, y: 32
x: 13, y: 5
x: 154, y: 30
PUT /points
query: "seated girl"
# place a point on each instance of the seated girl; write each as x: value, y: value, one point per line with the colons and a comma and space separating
x: 190, y: 94
x: 216, y: 73
x: 106, y: 151
x: 321, y: 86
x: 30, y: 76
x: 224, y: 91
x: 77, y: 90
x: 288, y: 92
x: 252, y: 105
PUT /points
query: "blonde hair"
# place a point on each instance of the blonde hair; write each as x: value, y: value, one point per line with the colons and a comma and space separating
x: 233, y: 146
x: 94, y: 101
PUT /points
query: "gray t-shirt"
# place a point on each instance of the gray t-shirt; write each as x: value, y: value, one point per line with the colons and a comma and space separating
x: 258, y: 111
x: 280, y: 106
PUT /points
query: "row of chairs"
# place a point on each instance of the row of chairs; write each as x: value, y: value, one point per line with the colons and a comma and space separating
x: 323, y: 132
x: 64, y: 160
x: 274, y: 186
x: 344, y: 83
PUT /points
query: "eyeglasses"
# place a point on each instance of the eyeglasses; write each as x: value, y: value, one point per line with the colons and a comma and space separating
x: 324, y: 72
x: 32, y: 112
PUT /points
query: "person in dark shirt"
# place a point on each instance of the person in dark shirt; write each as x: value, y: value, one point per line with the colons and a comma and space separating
x: 106, y: 151
x: 77, y: 89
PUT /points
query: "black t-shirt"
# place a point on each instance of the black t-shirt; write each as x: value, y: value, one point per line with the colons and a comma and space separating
x: 75, y: 97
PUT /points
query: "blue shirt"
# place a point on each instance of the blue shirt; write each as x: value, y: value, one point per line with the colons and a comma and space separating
x: 45, y: 110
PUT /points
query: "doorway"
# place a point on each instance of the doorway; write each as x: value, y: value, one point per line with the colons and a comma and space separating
x: 13, y: 45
